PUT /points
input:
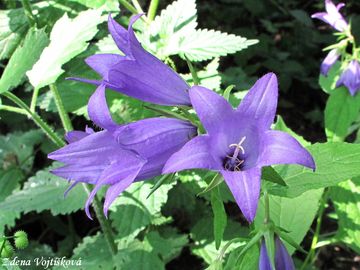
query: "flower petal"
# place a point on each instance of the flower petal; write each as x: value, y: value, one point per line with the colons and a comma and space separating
x: 245, y: 187
x: 81, y: 173
x: 261, y: 101
x: 283, y: 260
x: 74, y: 136
x: 213, y: 110
x: 98, y: 110
x: 102, y: 63
x: 194, y: 155
x: 281, y: 148
x: 127, y: 170
x: 350, y: 77
x: 119, y: 34
x: 264, y: 261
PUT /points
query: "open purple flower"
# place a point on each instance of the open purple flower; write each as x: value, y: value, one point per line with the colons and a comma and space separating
x: 332, y: 16
x: 329, y: 61
x: 138, y: 74
x: 120, y: 154
x: 283, y: 259
x: 238, y: 141
x: 350, y: 77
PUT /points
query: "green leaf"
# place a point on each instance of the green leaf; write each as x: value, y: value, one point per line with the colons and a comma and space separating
x: 206, y: 44
x: 341, y: 111
x: 248, y: 261
x: 292, y: 214
x: 107, y: 5
x: 335, y: 162
x: 346, y: 198
x: 328, y: 83
x: 44, y: 191
x: 23, y: 59
x: 280, y: 125
x: 220, y: 217
x: 9, y: 181
x: 133, y: 206
x: 69, y: 37
x: 13, y: 25
x: 271, y: 175
x: 94, y: 254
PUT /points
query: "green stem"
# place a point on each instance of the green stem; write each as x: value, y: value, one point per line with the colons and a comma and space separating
x: 104, y: 223
x: 60, y: 106
x: 311, y: 254
x: 36, y: 118
x: 34, y: 99
x: 2, y: 245
x: 28, y: 12
x: 12, y: 109
x: 267, y: 207
x: 137, y: 6
x: 152, y: 9
x: 128, y: 6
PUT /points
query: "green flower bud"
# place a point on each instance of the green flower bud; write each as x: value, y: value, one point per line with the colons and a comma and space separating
x: 21, y: 240
x: 7, y: 251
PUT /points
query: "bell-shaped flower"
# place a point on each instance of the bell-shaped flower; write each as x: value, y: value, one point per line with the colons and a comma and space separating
x: 332, y: 16
x: 120, y: 154
x: 238, y: 141
x: 283, y: 259
x: 329, y: 61
x: 350, y: 77
x: 138, y: 73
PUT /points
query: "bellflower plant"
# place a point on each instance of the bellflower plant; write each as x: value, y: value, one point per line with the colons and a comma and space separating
x: 332, y: 16
x: 120, y: 154
x: 239, y: 141
x: 283, y: 259
x: 329, y: 61
x: 350, y: 77
x: 138, y: 74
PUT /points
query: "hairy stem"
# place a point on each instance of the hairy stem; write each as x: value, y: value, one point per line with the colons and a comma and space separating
x: 267, y: 207
x: 12, y: 109
x: 34, y: 99
x: 61, y: 109
x: 193, y: 72
x: 128, y: 6
x: 37, y: 119
x: 311, y: 254
x: 137, y: 6
x: 152, y: 9
x: 104, y: 223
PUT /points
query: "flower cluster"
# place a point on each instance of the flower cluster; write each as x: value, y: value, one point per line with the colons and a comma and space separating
x: 350, y: 75
x: 238, y: 141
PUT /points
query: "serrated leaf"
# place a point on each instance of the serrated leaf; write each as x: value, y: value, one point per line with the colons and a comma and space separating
x: 346, y: 198
x: 293, y: 214
x: 220, y: 217
x: 68, y: 38
x: 341, y: 111
x: 44, y: 191
x: 206, y: 44
x: 335, y: 162
x: 132, y: 212
x: 13, y: 25
x: 23, y: 59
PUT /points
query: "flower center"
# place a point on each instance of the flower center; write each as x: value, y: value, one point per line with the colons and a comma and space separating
x: 235, y: 162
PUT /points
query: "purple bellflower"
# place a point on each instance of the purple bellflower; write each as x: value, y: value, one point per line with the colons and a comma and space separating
x: 332, y: 16
x: 350, y: 77
x: 329, y: 61
x: 138, y: 73
x: 119, y: 154
x: 238, y: 141
x: 283, y: 259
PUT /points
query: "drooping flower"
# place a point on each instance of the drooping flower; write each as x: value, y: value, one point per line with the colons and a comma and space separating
x: 238, y: 141
x: 283, y: 259
x: 329, y: 61
x: 138, y: 74
x: 332, y: 16
x: 350, y: 77
x: 120, y: 154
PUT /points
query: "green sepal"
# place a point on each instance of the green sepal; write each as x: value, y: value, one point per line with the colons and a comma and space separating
x: 288, y: 239
x: 161, y: 181
x: 227, y: 91
x: 269, y: 174
x: 217, y: 180
x: 166, y: 113
x: 252, y: 242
